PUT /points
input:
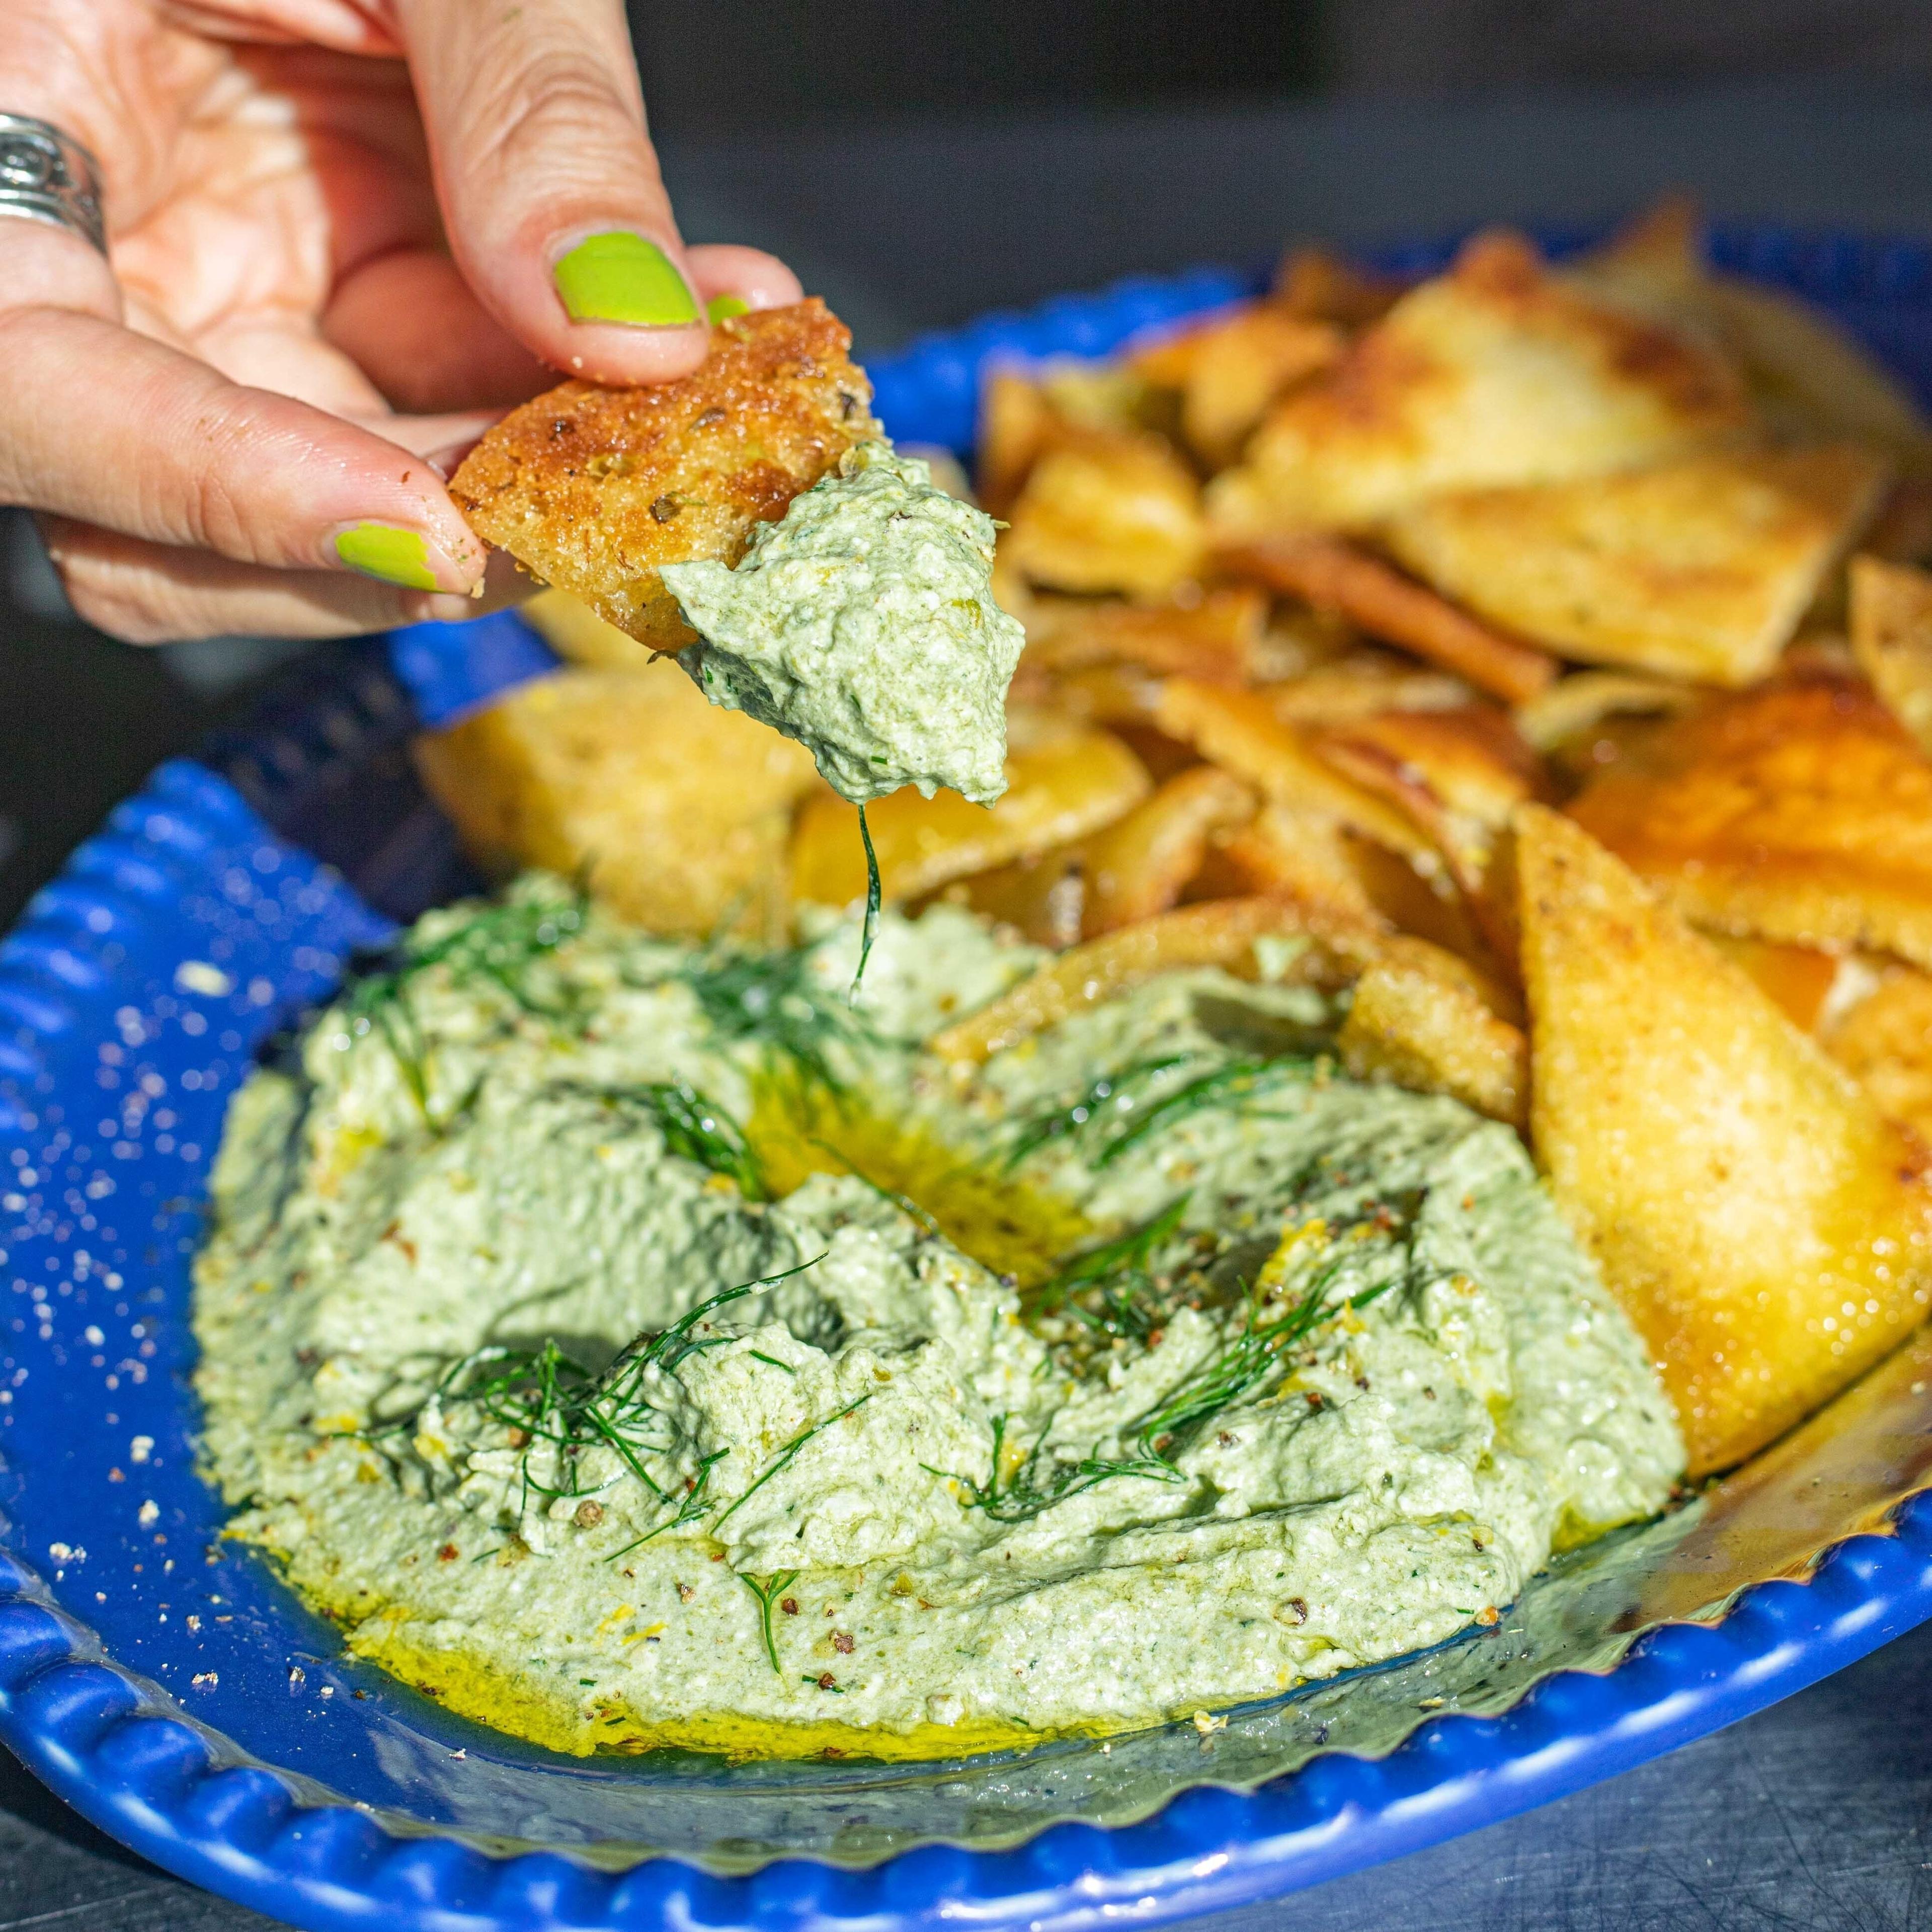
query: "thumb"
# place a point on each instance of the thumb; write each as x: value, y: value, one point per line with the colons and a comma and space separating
x: 555, y: 209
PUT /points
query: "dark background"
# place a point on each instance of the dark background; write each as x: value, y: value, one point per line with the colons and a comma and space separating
x: 919, y: 160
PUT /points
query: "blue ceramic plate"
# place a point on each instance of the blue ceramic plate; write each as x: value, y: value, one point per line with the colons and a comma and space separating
x: 177, y: 1694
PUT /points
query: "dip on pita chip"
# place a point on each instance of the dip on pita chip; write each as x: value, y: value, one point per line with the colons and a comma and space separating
x: 591, y: 489
x: 1767, y: 1231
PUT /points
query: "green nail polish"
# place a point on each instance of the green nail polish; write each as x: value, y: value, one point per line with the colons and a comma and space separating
x: 620, y: 277
x: 381, y: 550
x: 722, y: 308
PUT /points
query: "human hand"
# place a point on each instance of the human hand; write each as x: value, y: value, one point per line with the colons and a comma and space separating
x: 243, y: 425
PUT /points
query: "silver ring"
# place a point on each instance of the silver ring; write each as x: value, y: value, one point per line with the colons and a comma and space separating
x: 47, y: 175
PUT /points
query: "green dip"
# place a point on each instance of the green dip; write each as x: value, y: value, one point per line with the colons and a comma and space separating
x: 1154, y: 1367
x: 863, y: 624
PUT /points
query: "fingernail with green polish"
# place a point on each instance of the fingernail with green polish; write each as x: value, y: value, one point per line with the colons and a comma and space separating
x: 722, y: 308
x: 619, y: 277
x: 381, y: 550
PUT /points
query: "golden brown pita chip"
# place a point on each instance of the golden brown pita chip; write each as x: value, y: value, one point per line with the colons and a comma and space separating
x: 1767, y: 1230
x: 1063, y: 782
x: 1419, y: 1018
x: 1139, y: 864
x: 592, y: 489
x: 1800, y: 811
x: 1364, y: 685
x: 1239, y: 731
x: 1323, y: 950
x: 1810, y: 378
x: 1229, y: 369
x: 1215, y: 637
x: 1580, y: 702
x: 1885, y: 1042
x: 1108, y: 512
x: 1492, y: 375
x: 1306, y: 856
x: 579, y: 636
x: 619, y: 773
x: 1700, y: 568
x: 1016, y: 423
x: 1316, y: 284
x: 1798, y: 980
x: 1333, y: 577
x: 1891, y: 639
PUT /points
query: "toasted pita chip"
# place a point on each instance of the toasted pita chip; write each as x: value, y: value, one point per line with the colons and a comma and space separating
x: 579, y: 636
x: 1300, y: 855
x: 1885, y: 1042
x: 1892, y: 638
x: 1901, y: 531
x: 1798, y: 980
x: 1364, y: 685
x: 1578, y: 703
x: 679, y: 812
x: 1108, y: 512
x: 1321, y: 948
x: 1386, y: 605
x: 1767, y: 1230
x: 1419, y: 1018
x: 1139, y: 864
x: 1215, y: 637
x: 1239, y: 731
x: 1129, y: 871
x: 1229, y: 370
x: 1315, y: 284
x: 1063, y: 782
x: 1459, y: 776
x: 1305, y: 856
x: 1494, y: 374
x: 592, y: 489
x: 1116, y: 695
x: 1801, y: 811
x: 1042, y: 897
x: 1016, y: 424
x: 1809, y: 377
x: 1700, y: 568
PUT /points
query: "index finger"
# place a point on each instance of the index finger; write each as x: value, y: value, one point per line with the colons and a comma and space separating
x: 555, y: 210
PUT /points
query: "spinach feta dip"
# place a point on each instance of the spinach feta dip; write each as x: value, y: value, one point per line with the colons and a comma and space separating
x: 863, y: 624
x: 631, y: 1345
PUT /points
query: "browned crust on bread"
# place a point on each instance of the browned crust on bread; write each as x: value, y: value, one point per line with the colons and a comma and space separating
x: 592, y: 489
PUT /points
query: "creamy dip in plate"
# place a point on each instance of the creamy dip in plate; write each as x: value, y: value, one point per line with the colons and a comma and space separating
x: 631, y: 1345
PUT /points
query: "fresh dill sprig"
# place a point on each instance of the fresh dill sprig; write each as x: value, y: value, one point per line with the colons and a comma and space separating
x: 770, y: 998
x: 766, y: 1595
x: 870, y: 931
x: 692, y: 1505
x: 1233, y: 1084
x: 695, y: 1128
x: 1030, y: 1490
x: 1118, y: 1263
x: 1111, y: 1095
x: 545, y: 1396
x: 499, y: 945
x: 1249, y: 1359
x: 785, y: 1455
